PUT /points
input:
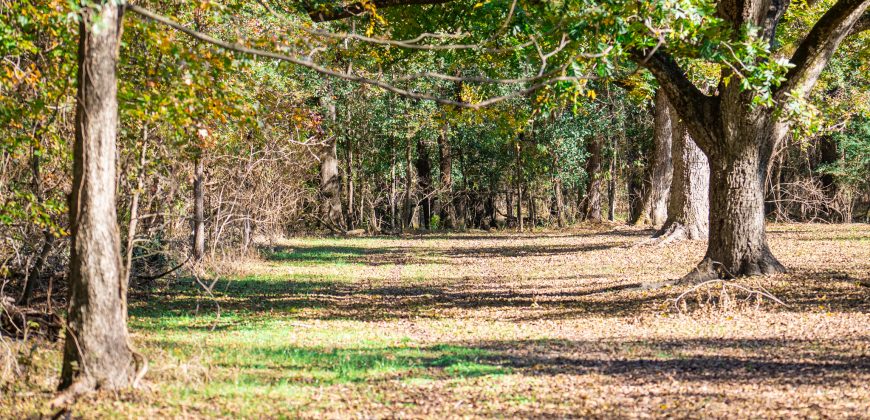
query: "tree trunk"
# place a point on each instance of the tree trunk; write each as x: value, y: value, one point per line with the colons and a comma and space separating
x: 509, y: 206
x: 97, y: 353
x: 409, y: 190
x: 592, y: 201
x: 424, y: 180
x: 560, y: 202
x: 611, y: 183
x: 688, y: 207
x: 330, y: 180
x: 738, y: 168
x: 198, y: 210
x: 655, y: 199
x: 448, y: 212
x: 35, y: 271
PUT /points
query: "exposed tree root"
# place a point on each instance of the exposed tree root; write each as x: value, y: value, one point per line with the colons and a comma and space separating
x: 669, y: 233
x: 758, y: 293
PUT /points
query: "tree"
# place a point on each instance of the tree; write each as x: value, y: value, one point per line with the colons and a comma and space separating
x: 738, y: 131
x: 654, y: 207
x: 688, y: 207
x: 592, y: 201
x: 97, y: 351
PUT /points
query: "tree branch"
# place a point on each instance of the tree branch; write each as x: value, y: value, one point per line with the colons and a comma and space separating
x: 694, y: 107
x: 544, y: 82
x: 862, y: 24
x: 327, y: 12
x: 816, y: 50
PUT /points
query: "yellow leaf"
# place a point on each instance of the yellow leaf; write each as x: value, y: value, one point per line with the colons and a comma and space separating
x: 591, y: 93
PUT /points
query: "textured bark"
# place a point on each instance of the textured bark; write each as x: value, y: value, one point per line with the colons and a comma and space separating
x: 654, y: 210
x: 445, y: 162
x: 592, y: 201
x: 97, y: 353
x: 198, y: 210
x: 688, y: 207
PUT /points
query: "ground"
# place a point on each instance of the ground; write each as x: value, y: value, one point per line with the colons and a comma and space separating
x: 500, y: 324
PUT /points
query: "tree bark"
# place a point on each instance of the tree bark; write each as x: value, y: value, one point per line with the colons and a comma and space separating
x: 611, y: 182
x: 198, y: 210
x: 592, y: 201
x: 97, y: 352
x: 408, y: 208
x: 424, y: 180
x: 688, y: 207
x: 448, y: 212
x: 559, y: 202
x: 655, y: 199
x: 48, y: 239
x: 330, y: 180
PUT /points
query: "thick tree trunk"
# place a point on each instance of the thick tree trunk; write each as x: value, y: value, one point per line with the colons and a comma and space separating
x: 738, y: 244
x: 448, y: 212
x: 738, y: 168
x: 97, y: 353
x: 198, y: 210
x: 688, y: 207
x: 655, y: 199
x: 592, y: 201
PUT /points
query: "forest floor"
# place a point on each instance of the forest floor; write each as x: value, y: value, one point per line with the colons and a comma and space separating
x: 545, y: 324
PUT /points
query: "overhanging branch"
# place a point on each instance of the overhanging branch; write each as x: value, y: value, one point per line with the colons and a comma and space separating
x: 692, y: 105
x: 816, y: 50
x: 235, y: 47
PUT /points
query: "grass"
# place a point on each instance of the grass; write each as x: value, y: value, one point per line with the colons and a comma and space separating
x: 492, y: 325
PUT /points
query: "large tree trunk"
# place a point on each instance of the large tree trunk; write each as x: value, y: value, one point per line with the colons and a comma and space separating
x: 592, y: 201
x: 448, y: 212
x: 97, y: 353
x: 738, y: 168
x: 198, y: 210
x: 654, y: 210
x: 688, y: 207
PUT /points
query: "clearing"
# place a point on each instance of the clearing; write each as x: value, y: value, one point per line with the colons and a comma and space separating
x: 546, y: 324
